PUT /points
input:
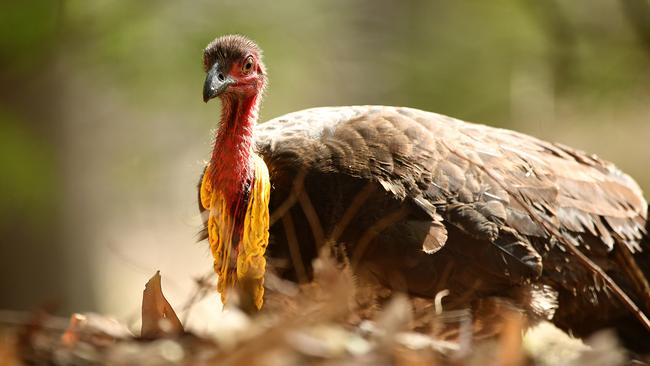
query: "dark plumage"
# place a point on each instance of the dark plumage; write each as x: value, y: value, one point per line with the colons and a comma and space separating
x: 423, y: 202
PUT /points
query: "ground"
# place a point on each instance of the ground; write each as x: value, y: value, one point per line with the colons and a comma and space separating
x: 332, y: 321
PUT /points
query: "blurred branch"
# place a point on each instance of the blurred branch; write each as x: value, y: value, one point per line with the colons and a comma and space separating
x: 638, y: 14
x: 561, y: 36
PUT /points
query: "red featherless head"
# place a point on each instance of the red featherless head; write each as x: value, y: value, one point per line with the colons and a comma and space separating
x: 234, y: 67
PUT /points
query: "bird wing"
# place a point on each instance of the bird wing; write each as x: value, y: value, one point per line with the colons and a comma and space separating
x: 494, y: 184
x: 532, y: 185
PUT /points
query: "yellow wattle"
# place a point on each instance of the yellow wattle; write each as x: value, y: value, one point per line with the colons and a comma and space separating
x: 250, y: 261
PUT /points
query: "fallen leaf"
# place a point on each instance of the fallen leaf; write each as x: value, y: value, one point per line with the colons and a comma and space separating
x: 99, y: 329
x: 158, y: 317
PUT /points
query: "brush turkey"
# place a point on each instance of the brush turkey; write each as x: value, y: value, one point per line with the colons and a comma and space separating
x: 421, y: 202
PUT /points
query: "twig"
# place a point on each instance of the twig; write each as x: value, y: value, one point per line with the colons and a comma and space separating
x: 294, y: 248
x: 297, y: 187
x: 312, y: 219
x: 352, y: 210
x: 202, y: 286
x: 374, y: 230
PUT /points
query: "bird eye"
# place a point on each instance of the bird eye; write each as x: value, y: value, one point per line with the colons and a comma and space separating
x: 248, y: 65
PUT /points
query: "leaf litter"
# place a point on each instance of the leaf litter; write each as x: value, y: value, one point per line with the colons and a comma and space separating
x: 333, y: 320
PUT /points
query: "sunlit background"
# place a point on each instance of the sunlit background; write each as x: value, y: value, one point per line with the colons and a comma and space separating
x: 103, y: 131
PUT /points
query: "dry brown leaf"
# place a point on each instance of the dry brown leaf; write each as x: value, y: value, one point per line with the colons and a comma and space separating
x: 9, y: 354
x: 306, y: 324
x: 99, y: 329
x: 511, y: 350
x: 158, y: 317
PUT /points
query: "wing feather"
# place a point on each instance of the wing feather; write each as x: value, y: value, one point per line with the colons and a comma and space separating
x: 427, y: 156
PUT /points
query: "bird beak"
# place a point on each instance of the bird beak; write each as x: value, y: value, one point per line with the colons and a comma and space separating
x: 216, y: 82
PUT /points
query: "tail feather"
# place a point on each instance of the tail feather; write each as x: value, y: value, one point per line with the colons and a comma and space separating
x: 633, y: 335
x: 643, y: 257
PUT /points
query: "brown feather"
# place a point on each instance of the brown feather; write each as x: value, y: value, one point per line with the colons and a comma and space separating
x: 510, y: 207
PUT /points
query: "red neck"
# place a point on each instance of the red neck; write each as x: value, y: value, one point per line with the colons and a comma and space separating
x: 233, y: 145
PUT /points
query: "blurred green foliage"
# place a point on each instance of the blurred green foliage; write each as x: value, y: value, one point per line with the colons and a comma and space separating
x: 27, y: 31
x: 28, y: 170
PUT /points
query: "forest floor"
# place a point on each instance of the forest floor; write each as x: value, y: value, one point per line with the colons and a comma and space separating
x: 331, y: 321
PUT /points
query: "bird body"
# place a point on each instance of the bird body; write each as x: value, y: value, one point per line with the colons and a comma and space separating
x: 474, y: 208
x: 421, y: 203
